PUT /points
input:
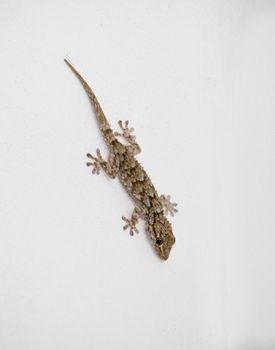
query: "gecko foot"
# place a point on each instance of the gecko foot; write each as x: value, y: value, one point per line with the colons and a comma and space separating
x: 97, y: 162
x: 168, y: 206
x: 133, y: 146
x: 131, y: 223
x: 110, y: 167
x: 126, y: 132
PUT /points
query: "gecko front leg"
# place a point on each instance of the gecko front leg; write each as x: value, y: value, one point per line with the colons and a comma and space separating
x: 110, y: 167
x: 131, y: 223
x: 129, y: 137
x: 168, y: 206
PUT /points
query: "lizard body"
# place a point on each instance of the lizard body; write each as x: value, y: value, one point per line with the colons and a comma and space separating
x: 123, y: 164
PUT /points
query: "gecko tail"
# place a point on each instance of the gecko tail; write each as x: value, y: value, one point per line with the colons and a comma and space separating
x: 85, y: 85
x: 101, y: 119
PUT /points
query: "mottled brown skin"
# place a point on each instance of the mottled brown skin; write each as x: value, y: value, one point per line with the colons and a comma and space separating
x: 123, y: 164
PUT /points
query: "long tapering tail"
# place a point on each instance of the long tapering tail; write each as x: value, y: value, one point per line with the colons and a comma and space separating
x: 100, y: 117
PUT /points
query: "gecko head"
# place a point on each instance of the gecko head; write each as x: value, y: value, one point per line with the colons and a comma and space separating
x: 161, y: 235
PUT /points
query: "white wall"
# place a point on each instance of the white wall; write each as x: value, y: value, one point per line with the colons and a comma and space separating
x: 197, y: 81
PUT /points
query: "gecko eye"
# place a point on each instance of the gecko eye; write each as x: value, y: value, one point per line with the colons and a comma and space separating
x: 159, y: 242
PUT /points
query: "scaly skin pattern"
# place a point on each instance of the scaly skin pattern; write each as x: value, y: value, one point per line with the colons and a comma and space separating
x: 122, y: 164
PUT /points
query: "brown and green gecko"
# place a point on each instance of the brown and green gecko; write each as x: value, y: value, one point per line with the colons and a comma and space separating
x: 123, y: 164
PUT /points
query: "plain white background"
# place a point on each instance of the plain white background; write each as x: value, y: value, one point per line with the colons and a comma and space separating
x: 197, y: 81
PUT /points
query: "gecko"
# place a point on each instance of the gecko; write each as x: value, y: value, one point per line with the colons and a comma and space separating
x: 122, y: 164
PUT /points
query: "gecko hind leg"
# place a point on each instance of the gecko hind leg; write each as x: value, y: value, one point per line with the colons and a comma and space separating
x: 168, y: 206
x: 131, y: 223
x: 128, y: 136
x: 110, y: 167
